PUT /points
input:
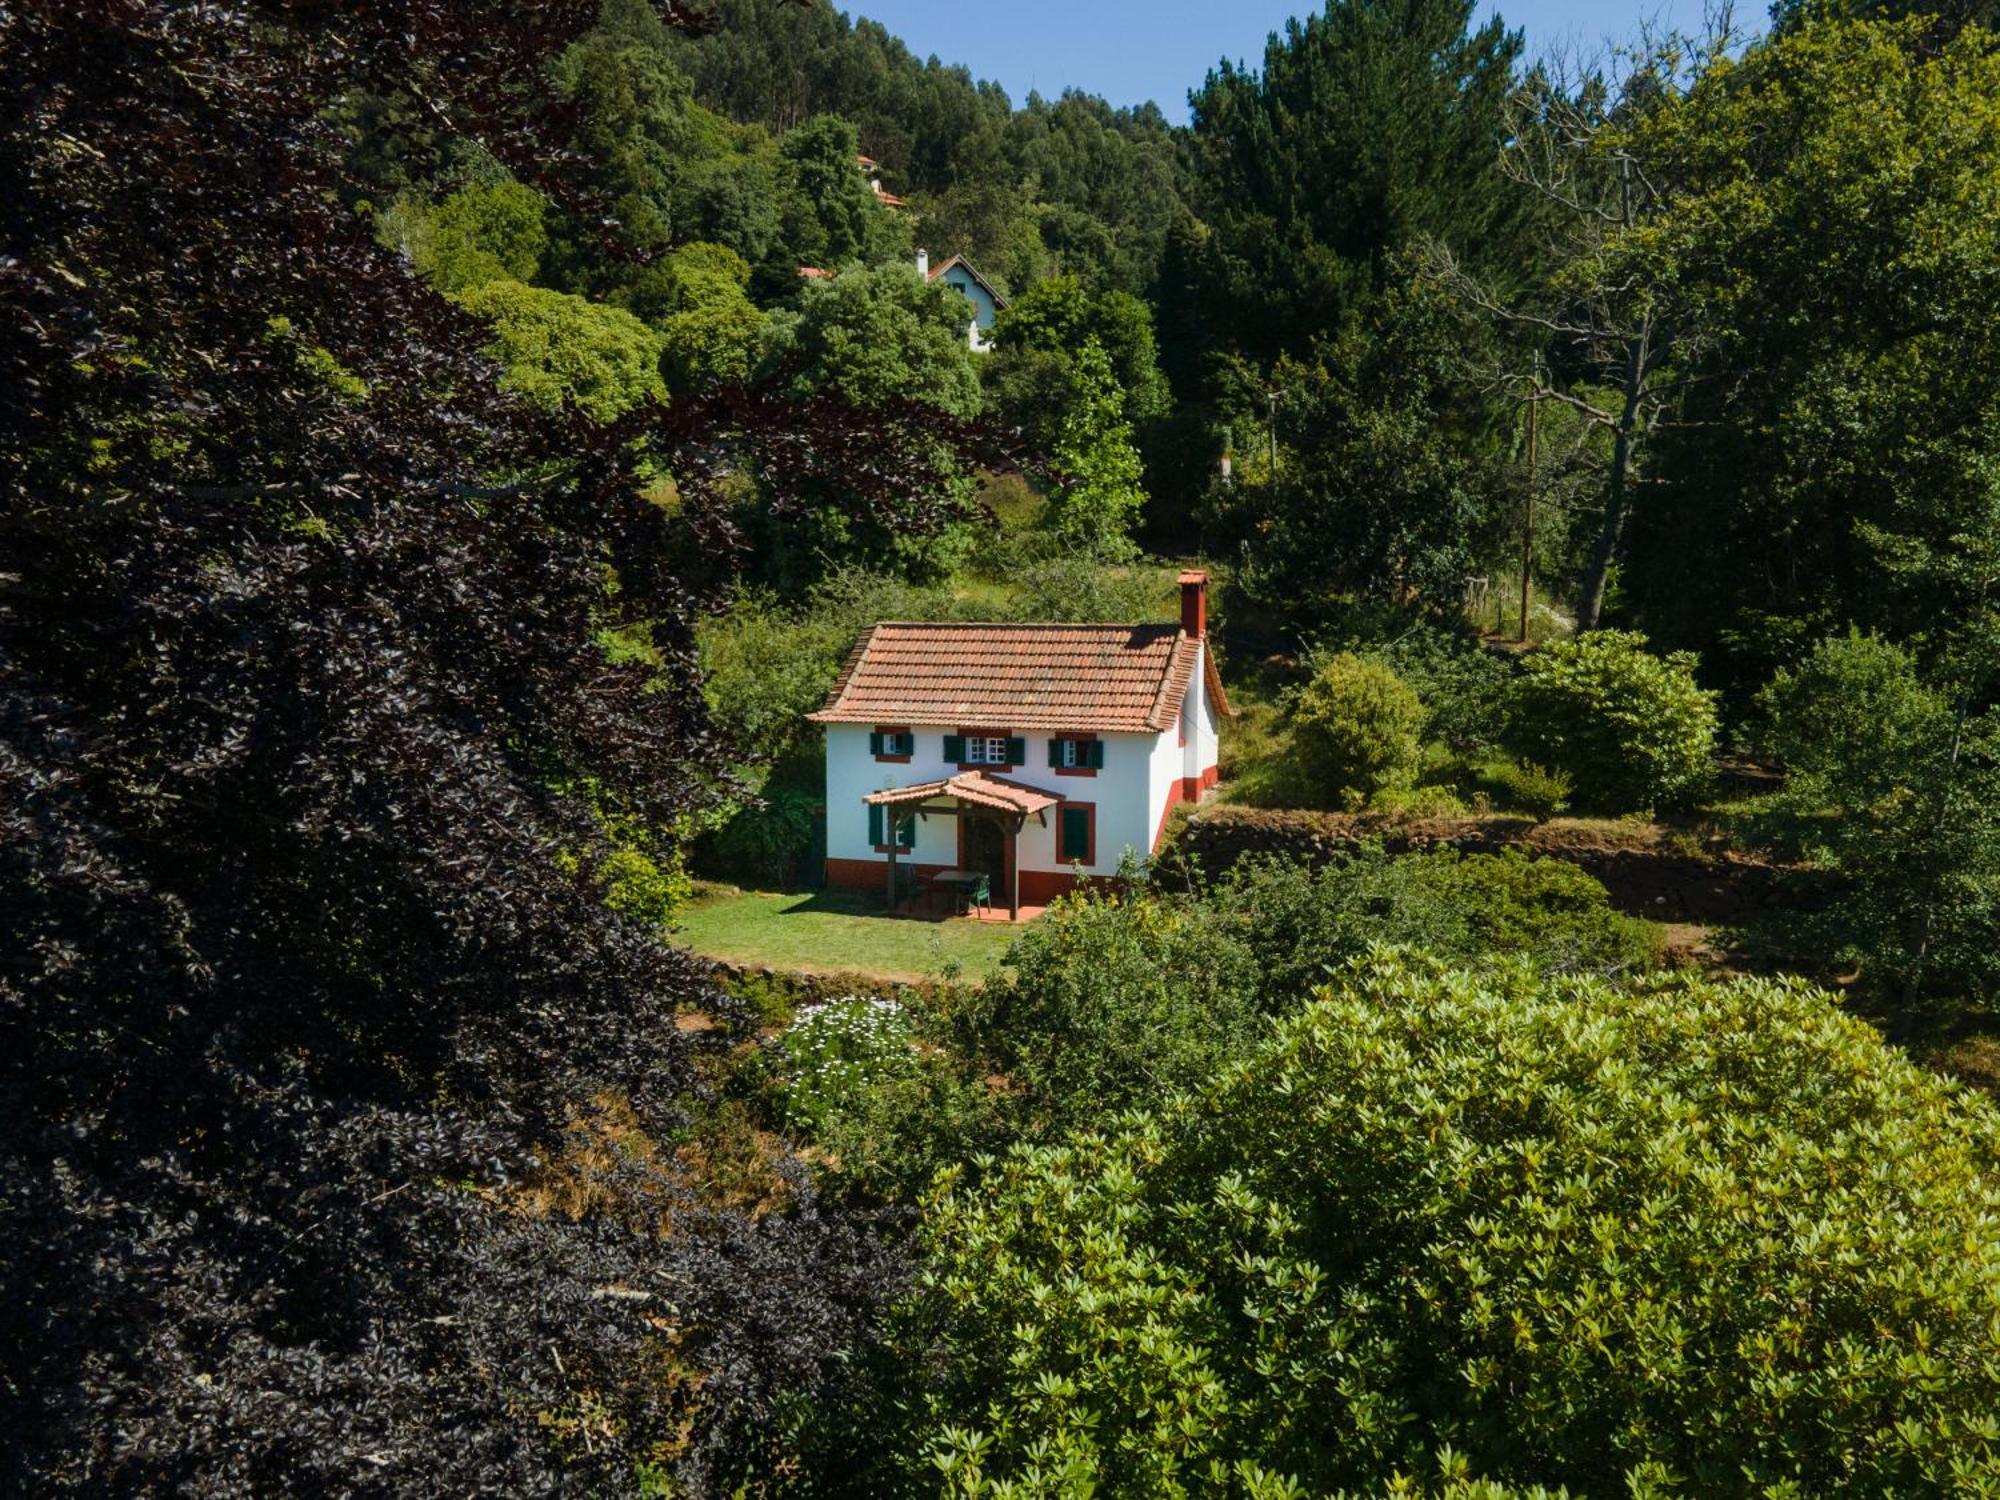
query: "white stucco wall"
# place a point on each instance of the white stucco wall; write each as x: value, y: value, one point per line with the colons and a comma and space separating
x: 1128, y: 793
x: 1168, y: 756
x: 1184, y: 755
x: 1208, y: 722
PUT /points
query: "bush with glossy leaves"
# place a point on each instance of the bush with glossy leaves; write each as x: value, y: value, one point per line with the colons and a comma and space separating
x: 1681, y: 1236
x: 1631, y: 730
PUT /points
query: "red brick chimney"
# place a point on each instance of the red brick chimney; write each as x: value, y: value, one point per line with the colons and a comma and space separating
x: 1194, y: 603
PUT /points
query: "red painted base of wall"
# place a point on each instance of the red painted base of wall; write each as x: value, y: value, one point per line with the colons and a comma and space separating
x: 869, y: 875
x: 1038, y: 887
x: 1187, y: 789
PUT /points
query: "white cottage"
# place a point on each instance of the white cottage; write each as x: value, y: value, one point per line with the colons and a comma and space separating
x: 1035, y: 755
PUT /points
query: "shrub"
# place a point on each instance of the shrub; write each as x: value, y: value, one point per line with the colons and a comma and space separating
x: 1357, y: 728
x: 1531, y: 789
x: 1690, y: 1237
x: 836, y: 1050
x: 1428, y: 801
x: 1463, y: 684
x: 1113, y: 1001
x: 1852, y: 710
x: 767, y: 843
x: 1630, y: 729
x: 1469, y: 909
x: 887, y: 1108
x: 1896, y: 792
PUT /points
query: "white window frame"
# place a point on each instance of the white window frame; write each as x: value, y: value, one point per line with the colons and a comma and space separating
x: 986, y: 750
x: 1071, y: 756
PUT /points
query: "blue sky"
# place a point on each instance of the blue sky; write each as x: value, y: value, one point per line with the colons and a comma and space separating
x: 1133, y: 50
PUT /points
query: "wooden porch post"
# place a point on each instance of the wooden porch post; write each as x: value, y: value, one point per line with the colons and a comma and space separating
x: 890, y: 819
x: 1014, y: 867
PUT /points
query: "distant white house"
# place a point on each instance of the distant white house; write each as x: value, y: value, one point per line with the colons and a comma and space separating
x: 1035, y: 755
x: 872, y: 170
x: 986, y: 302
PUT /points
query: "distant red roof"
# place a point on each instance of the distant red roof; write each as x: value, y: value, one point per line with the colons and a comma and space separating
x: 866, y: 161
x: 814, y: 273
x: 1129, y: 678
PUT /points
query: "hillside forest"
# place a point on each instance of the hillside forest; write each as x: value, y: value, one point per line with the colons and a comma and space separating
x: 445, y: 451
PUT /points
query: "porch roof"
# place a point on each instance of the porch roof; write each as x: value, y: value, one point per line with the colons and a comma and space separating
x: 975, y: 787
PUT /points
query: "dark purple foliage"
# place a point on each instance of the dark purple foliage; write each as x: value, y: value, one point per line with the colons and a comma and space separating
x: 293, y: 991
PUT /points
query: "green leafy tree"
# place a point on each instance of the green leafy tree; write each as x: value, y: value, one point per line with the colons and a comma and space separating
x: 487, y: 231
x: 838, y: 218
x: 1371, y: 125
x: 1037, y: 339
x: 875, y: 335
x: 1676, y: 1235
x: 712, y: 333
x: 1630, y: 730
x: 668, y: 170
x: 559, y: 350
x: 1832, y: 462
x: 1382, y: 485
x: 1894, y: 787
x: 1943, y: 19
x: 631, y: 106
x: 1112, y: 182
x: 1099, y: 495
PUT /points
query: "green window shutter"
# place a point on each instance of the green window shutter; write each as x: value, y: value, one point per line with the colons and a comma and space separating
x: 875, y: 744
x: 874, y: 824
x: 954, y: 748
x: 906, y: 743
x: 1075, y: 835
x: 1094, y: 750
x: 1055, y: 752
x: 1017, y: 752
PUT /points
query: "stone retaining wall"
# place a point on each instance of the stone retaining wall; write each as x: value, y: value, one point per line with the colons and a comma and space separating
x: 1644, y: 872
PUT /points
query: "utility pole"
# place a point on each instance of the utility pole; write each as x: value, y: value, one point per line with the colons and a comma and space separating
x: 1528, y: 499
x: 1271, y: 396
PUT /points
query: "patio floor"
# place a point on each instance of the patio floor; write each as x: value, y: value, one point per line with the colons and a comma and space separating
x: 922, y: 909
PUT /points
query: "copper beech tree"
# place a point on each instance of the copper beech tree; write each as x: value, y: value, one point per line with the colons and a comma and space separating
x: 297, y: 617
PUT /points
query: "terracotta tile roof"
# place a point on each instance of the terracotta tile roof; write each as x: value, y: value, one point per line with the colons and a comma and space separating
x: 1019, y: 677
x: 975, y: 787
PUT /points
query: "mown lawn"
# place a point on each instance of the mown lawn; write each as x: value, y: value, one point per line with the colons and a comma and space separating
x: 835, y: 932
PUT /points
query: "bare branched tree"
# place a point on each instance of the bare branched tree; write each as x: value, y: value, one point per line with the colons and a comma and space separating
x: 1592, y: 336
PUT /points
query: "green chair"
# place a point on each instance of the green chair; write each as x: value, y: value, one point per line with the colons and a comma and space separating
x: 907, y: 884
x: 981, y: 894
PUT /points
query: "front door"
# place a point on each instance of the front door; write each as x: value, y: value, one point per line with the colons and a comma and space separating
x: 986, y: 851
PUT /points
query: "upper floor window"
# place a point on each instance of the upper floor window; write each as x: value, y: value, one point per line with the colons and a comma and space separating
x: 885, y: 744
x: 985, y: 749
x: 1076, y: 754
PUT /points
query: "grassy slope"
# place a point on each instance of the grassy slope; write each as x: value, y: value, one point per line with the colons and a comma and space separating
x: 834, y: 932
